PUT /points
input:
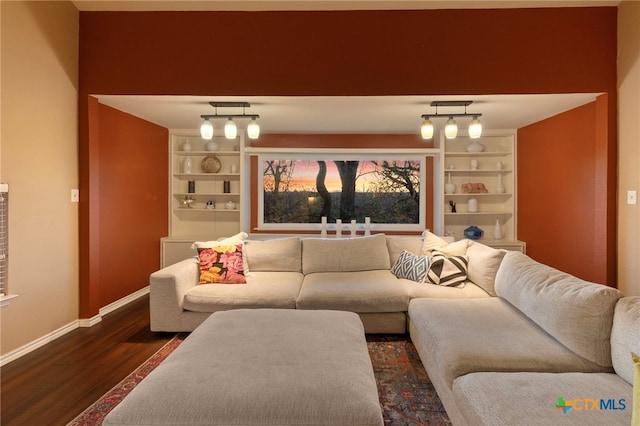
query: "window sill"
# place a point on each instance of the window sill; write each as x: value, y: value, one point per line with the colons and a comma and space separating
x: 5, y: 300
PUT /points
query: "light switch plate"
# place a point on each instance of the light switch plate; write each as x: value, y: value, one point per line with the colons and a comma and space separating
x: 632, y: 197
x: 75, y: 195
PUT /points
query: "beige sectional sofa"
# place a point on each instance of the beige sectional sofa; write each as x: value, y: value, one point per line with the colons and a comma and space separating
x: 517, y: 344
x: 350, y: 274
x: 546, y: 342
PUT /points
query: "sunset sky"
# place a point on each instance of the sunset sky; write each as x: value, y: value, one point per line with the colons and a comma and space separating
x: 305, y: 173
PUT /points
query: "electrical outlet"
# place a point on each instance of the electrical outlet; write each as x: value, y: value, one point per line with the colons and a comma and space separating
x: 75, y: 195
x: 632, y: 197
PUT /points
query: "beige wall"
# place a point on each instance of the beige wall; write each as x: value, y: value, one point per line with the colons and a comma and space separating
x: 628, y: 146
x: 39, y: 162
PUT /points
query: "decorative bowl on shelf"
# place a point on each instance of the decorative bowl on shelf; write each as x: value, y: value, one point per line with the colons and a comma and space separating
x: 212, y: 146
x: 473, y: 233
x: 210, y: 164
x: 475, y: 146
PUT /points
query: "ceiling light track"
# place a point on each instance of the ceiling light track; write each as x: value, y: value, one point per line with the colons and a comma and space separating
x: 451, y: 127
x: 230, y: 128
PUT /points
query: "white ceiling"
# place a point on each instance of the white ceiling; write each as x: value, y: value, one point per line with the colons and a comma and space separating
x: 360, y: 114
x: 346, y: 114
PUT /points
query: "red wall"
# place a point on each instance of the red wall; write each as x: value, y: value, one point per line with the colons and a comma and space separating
x: 431, y: 52
x: 558, y: 208
x: 133, y: 178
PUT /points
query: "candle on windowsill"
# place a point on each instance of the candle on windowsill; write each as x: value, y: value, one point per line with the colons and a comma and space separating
x: 323, y: 231
x: 367, y: 225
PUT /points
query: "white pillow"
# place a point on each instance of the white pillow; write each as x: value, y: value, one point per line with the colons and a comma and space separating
x: 433, y: 242
x: 233, y: 240
x: 484, y: 262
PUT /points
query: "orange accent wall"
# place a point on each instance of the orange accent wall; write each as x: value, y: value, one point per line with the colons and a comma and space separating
x: 561, y: 212
x: 428, y: 52
x: 133, y: 199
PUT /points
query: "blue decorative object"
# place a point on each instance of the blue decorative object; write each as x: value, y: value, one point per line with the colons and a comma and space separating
x: 473, y: 233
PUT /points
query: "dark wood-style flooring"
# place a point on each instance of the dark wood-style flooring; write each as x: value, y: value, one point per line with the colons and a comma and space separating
x: 55, y: 383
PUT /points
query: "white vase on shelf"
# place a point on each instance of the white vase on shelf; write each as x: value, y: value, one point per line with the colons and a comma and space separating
x: 186, y: 165
x: 449, y: 187
x: 472, y: 205
x: 186, y: 146
x: 497, y: 231
x: 500, y: 186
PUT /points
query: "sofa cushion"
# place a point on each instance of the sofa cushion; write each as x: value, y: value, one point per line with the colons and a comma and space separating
x: 221, y: 265
x: 635, y: 419
x: 345, y: 254
x: 262, y: 290
x: 280, y: 254
x: 396, y: 244
x: 467, y: 291
x: 519, y: 399
x: 487, y: 334
x: 484, y: 262
x: 625, y: 336
x: 363, y: 291
x: 556, y: 300
x: 450, y: 271
x: 411, y: 267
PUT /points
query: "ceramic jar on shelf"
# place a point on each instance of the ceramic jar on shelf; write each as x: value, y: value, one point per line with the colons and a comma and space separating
x: 449, y: 187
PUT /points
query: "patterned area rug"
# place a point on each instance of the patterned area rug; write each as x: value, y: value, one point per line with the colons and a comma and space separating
x: 407, y: 396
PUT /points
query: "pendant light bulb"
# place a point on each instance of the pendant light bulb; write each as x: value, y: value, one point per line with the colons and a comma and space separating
x: 475, y: 128
x: 451, y: 129
x: 426, y: 130
x: 230, y: 129
x: 206, y: 129
x: 253, y: 129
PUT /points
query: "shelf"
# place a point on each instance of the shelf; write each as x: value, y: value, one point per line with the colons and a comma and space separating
x: 187, y: 176
x: 196, y: 209
x: 493, y: 195
x: 478, y: 154
x: 479, y: 171
x: 487, y: 213
x: 197, y: 153
x: 206, y: 194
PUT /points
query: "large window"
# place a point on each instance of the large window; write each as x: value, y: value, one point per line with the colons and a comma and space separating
x: 298, y: 191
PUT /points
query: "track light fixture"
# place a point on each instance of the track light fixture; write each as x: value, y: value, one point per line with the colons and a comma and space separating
x: 230, y: 128
x: 451, y: 127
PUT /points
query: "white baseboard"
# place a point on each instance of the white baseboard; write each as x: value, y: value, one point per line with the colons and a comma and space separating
x: 83, y: 322
x: 124, y: 301
x: 32, y: 346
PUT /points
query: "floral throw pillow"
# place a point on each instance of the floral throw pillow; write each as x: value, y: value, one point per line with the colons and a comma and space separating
x: 221, y: 265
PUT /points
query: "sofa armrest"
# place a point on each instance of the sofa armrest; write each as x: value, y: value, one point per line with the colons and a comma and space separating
x: 168, y: 287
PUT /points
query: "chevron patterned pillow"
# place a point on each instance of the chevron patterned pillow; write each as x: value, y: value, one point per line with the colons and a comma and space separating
x: 447, y: 271
x: 411, y: 267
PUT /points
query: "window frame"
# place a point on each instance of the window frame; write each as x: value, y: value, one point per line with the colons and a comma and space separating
x: 347, y: 155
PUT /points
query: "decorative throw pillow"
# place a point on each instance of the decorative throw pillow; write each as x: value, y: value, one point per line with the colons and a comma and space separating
x: 221, y: 265
x: 447, y: 271
x: 635, y: 413
x: 411, y: 267
x: 228, y: 241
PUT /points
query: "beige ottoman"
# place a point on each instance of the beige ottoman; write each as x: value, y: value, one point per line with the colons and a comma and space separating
x: 261, y: 367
